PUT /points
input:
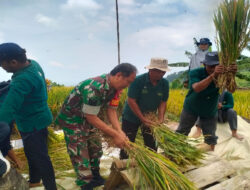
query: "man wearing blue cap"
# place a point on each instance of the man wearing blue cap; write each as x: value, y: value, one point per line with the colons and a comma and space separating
x: 26, y: 102
x: 202, y: 99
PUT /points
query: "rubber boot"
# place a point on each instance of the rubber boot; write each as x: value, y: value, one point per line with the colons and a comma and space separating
x: 96, y: 181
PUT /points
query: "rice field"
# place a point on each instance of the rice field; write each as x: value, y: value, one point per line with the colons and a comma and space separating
x: 175, y: 102
x: 56, y: 97
x: 241, y: 102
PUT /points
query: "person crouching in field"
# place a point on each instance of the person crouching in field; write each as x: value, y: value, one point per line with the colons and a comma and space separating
x: 202, y: 99
x: 80, y: 123
x: 26, y: 103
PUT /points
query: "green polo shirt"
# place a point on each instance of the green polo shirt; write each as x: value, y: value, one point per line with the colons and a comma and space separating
x: 147, y: 96
x: 204, y: 103
x: 26, y: 101
x: 228, y: 101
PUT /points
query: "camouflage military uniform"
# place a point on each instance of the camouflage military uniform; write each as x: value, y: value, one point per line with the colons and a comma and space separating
x: 82, y: 139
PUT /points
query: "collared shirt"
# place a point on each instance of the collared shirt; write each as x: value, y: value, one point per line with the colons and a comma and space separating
x: 147, y: 96
x: 26, y: 101
x: 204, y: 103
x: 88, y: 97
x: 228, y: 101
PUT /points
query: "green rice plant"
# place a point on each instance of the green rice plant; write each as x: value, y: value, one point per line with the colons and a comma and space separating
x: 177, y: 147
x: 156, y: 171
x: 232, y: 35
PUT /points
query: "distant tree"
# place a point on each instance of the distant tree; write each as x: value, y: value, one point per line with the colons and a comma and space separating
x: 188, y: 54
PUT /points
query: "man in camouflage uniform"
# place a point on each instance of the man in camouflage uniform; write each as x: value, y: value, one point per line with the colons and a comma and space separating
x: 80, y: 123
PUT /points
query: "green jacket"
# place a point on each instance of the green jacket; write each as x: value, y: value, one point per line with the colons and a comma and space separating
x: 26, y: 101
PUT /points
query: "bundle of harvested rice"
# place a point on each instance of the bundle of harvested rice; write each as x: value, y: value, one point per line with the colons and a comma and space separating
x: 156, y: 171
x: 232, y: 35
x: 176, y: 147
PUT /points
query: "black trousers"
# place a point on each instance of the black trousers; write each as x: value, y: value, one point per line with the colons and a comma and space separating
x: 36, y: 151
x: 131, y: 129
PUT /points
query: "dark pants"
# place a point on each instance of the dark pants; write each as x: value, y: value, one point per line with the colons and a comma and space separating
x: 36, y: 151
x: 208, y: 126
x: 4, y: 131
x: 229, y: 116
x: 130, y: 129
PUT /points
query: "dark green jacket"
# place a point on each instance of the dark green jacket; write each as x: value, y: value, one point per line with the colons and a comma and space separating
x: 26, y: 101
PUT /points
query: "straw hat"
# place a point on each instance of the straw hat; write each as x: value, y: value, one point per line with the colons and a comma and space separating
x: 158, y: 63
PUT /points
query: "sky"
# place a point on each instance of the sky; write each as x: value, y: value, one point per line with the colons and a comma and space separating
x: 76, y: 39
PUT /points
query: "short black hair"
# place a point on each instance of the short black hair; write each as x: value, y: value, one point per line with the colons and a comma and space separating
x: 10, y: 51
x: 125, y: 68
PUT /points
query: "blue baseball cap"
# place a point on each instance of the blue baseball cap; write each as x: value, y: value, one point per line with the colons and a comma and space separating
x: 9, y: 51
x: 204, y: 41
x: 211, y: 58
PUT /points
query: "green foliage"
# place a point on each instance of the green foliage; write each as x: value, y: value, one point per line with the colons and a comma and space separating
x: 179, y: 64
x: 244, y: 64
x: 176, y: 80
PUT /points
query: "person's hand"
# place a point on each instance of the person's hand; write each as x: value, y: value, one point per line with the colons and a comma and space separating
x: 219, y: 105
x: 122, y: 133
x: 120, y: 139
x: 147, y: 122
x: 20, y: 164
x: 160, y: 121
x: 218, y: 70
x: 233, y: 68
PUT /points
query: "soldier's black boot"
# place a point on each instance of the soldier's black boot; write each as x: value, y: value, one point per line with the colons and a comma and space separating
x: 96, y: 181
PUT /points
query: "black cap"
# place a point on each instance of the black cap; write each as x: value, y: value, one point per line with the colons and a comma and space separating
x: 211, y: 58
x: 9, y: 51
x: 204, y: 41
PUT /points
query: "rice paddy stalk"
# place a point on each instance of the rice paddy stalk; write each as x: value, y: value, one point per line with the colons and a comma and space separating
x: 232, y: 35
x: 177, y: 147
x: 156, y: 171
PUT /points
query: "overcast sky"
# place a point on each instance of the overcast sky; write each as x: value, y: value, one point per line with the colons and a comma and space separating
x: 76, y: 39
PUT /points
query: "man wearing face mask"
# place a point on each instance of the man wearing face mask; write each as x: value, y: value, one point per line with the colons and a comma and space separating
x: 199, y: 56
x: 148, y: 93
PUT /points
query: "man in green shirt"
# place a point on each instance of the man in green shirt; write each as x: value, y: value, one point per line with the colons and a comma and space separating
x: 202, y: 99
x: 82, y: 125
x: 226, y: 113
x: 26, y: 103
x: 148, y: 93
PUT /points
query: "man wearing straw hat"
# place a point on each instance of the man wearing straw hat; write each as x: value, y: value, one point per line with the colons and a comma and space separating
x: 202, y: 99
x: 148, y: 93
